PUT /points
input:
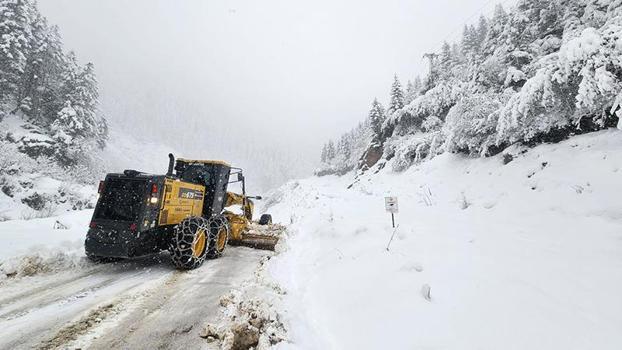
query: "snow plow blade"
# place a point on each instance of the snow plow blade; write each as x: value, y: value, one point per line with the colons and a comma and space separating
x: 259, y: 236
x: 256, y: 241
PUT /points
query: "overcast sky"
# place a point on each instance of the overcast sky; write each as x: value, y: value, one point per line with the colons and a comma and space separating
x: 285, y: 72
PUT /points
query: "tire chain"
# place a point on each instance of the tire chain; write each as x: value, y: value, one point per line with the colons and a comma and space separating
x: 184, y: 238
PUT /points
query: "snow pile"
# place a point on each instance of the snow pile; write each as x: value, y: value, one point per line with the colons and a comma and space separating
x: 516, y: 251
x: 53, y: 244
x: 249, y: 316
x: 44, y: 261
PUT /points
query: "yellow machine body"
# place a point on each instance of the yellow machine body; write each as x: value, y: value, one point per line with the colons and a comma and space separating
x: 238, y: 223
x: 180, y: 200
x: 138, y: 214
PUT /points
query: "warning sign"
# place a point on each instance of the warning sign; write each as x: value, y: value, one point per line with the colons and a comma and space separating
x: 390, y: 204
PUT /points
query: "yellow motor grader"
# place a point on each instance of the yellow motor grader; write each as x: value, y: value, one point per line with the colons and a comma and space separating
x: 189, y: 213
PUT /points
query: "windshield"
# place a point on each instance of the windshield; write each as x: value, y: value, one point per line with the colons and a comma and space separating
x: 198, y: 174
x: 121, y: 200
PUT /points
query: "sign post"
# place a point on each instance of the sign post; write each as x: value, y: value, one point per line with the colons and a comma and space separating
x: 390, y: 204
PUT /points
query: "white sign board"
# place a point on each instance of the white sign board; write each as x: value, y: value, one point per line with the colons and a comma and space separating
x: 390, y: 204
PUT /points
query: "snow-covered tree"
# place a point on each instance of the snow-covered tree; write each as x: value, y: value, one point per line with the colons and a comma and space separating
x: 80, y: 90
x: 540, y: 71
x: 482, y: 31
x: 376, y: 118
x: 470, y: 126
x: 350, y: 148
x: 330, y: 151
x: 469, y: 41
x: 15, y: 45
x: 496, y: 27
x: 45, y: 86
x: 323, y: 154
x: 446, y: 61
x: 396, y: 101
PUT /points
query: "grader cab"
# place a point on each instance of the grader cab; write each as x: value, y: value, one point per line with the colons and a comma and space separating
x: 183, y: 212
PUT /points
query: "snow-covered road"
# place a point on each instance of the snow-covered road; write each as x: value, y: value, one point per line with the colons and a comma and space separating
x: 143, y: 303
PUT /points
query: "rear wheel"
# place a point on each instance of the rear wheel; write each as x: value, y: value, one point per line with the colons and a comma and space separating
x: 219, y: 236
x: 189, y: 243
x: 265, y: 219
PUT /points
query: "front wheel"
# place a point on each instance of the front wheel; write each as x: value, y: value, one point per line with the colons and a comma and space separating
x: 188, y: 245
x: 265, y: 219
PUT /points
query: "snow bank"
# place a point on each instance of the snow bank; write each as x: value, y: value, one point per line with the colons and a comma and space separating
x: 518, y: 251
x: 44, y: 261
x: 36, y: 246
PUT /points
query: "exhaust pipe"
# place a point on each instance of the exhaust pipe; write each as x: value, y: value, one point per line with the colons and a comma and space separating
x: 171, y: 163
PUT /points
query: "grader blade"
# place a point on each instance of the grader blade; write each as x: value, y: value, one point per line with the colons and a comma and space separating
x: 260, y: 236
x: 256, y: 241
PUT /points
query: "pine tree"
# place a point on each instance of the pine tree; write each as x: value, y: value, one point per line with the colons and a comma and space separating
x: 32, y: 78
x: 482, y: 32
x: 15, y: 42
x: 522, y: 29
x: 469, y: 42
x: 495, y: 29
x: 323, y: 154
x: 376, y: 118
x: 330, y: 151
x: 50, y: 100
x: 346, y: 146
x: 445, y: 60
x: 397, y: 96
x: 80, y: 90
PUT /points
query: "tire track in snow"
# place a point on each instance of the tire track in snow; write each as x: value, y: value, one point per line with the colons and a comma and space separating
x: 79, y: 334
x: 45, y: 287
x: 53, y: 296
x: 50, y: 311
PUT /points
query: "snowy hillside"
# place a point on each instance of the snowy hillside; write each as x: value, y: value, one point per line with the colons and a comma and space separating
x: 523, y: 255
x: 540, y: 71
x: 51, y: 129
x: 40, y: 187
